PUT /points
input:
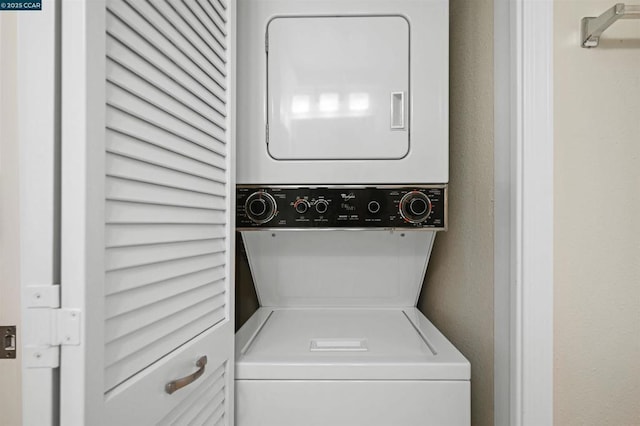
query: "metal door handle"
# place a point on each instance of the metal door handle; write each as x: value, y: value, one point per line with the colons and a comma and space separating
x: 178, y: 384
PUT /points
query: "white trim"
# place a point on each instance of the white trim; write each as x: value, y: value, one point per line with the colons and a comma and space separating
x: 38, y: 137
x: 528, y: 104
x: 82, y: 218
x: 231, y: 207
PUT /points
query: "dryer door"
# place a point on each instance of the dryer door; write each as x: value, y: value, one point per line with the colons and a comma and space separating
x: 338, y: 87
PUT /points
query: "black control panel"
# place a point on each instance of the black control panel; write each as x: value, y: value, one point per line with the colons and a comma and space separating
x: 285, y: 207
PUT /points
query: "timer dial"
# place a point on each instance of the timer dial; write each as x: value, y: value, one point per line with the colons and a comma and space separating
x: 260, y: 207
x: 301, y: 206
x: 415, y: 207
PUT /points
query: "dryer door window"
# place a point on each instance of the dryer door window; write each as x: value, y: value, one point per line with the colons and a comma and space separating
x: 338, y: 87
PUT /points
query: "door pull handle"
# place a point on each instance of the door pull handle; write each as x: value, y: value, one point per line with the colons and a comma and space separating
x: 397, y: 111
x: 178, y: 384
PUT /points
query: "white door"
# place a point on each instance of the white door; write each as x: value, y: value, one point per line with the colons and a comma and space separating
x: 338, y: 87
x: 146, y: 222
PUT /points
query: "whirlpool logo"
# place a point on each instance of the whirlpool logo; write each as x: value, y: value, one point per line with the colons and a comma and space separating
x: 20, y: 5
x: 347, y: 197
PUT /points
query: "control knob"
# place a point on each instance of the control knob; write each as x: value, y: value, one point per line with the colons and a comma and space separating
x: 301, y: 206
x: 260, y: 207
x: 415, y: 207
x: 322, y: 206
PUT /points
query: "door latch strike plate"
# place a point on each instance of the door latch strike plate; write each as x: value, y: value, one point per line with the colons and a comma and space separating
x: 8, y: 344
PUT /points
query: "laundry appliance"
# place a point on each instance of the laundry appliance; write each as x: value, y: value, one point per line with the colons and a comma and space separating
x: 342, y: 159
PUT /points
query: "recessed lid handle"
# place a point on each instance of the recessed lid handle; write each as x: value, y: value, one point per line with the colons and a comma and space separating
x: 338, y: 345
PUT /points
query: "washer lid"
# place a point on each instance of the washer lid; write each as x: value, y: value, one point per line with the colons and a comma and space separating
x: 338, y: 268
x: 338, y: 87
x: 347, y: 344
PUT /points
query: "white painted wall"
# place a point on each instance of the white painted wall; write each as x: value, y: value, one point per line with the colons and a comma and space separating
x: 10, y: 379
x: 597, y: 226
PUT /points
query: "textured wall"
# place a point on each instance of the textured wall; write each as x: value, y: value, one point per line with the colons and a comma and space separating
x: 597, y: 232
x: 458, y: 291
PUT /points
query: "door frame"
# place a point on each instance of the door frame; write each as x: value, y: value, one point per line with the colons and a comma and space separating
x: 523, y: 296
x: 10, y: 369
x: 38, y: 141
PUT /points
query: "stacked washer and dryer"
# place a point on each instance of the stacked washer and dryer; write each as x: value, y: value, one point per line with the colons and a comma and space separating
x: 343, y: 155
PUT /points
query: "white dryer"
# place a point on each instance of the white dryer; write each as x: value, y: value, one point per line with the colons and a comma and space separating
x: 343, y: 92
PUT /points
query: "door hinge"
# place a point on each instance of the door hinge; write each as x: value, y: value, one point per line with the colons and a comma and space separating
x: 267, y: 133
x: 50, y: 327
x: 266, y: 42
x: 8, y: 334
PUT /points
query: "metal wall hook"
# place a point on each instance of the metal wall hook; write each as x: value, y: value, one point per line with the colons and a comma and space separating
x: 592, y: 28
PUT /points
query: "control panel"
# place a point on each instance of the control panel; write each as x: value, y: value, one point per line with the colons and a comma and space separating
x: 286, y: 207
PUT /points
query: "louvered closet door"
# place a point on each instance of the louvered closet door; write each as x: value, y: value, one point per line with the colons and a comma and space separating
x: 147, y: 229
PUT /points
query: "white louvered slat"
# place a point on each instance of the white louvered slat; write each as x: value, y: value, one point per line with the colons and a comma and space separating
x: 153, y: 26
x: 218, y: 15
x: 194, y: 31
x: 127, y: 257
x: 166, y: 194
x: 155, y: 75
x: 219, y: 8
x: 129, y: 168
x: 127, y: 190
x: 140, y: 320
x: 124, y: 145
x: 210, y: 406
x: 217, y: 416
x: 127, y: 39
x: 215, y: 23
x: 202, y: 405
x: 128, y: 301
x: 127, y: 212
x: 224, y: 5
x: 127, y: 101
x: 212, y: 20
x: 139, y: 276
x: 196, y: 18
x: 136, y: 129
x: 143, y: 234
x: 161, y: 99
x: 193, y: 46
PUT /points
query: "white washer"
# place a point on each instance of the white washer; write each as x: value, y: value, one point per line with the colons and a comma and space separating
x: 348, y: 367
x: 338, y: 340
